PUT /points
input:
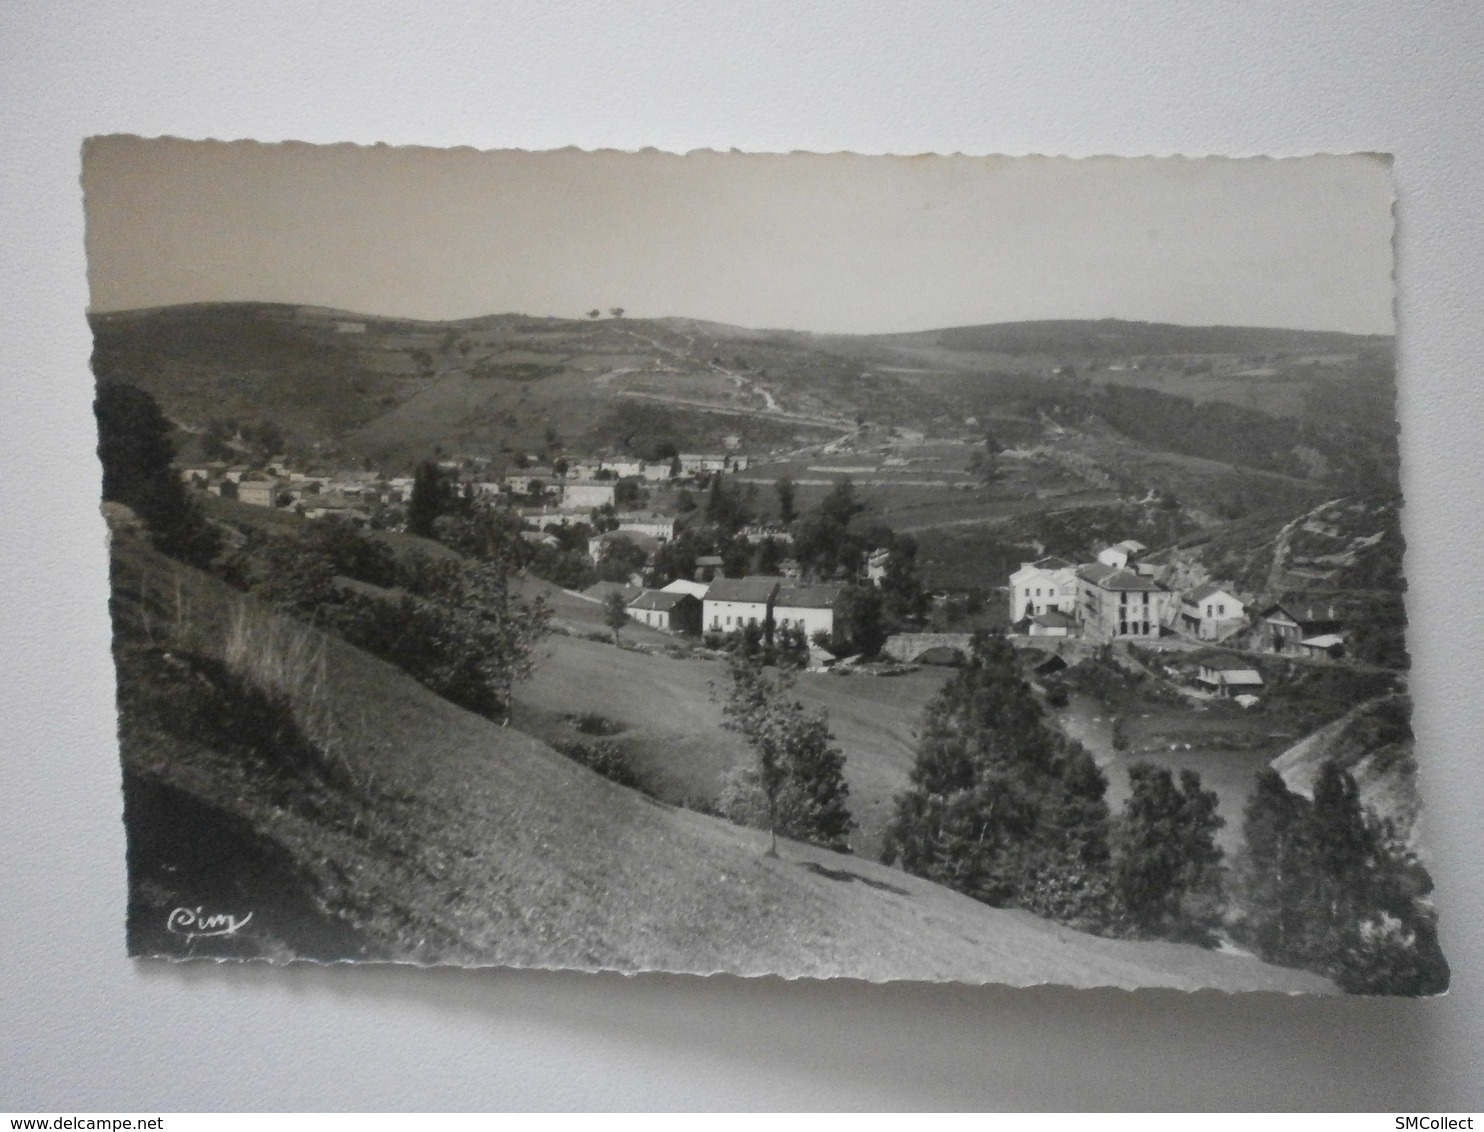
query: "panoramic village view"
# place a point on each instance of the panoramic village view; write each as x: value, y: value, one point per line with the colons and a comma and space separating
x: 1037, y: 651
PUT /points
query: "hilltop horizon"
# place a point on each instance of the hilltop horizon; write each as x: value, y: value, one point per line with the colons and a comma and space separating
x: 692, y: 320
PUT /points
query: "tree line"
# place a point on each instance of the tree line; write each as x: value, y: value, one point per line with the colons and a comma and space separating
x: 1005, y: 808
x: 455, y: 624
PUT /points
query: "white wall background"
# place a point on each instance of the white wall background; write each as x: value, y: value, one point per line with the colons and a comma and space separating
x: 81, y: 1027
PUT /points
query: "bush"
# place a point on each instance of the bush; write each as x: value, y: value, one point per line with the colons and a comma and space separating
x: 604, y: 757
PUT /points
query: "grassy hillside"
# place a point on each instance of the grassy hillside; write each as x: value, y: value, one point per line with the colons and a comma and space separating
x: 672, y: 725
x: 380, y: 822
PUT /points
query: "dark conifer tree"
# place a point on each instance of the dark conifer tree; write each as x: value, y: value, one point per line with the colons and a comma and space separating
x: 431, y: 496
x: 787, y: 508
x: 1165, y: 859
x: 1275, y: 876
x: 999, y: 805
x: 137, y: 455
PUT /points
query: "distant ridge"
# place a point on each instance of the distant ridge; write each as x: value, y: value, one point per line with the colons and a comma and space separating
x: 1032, y: 335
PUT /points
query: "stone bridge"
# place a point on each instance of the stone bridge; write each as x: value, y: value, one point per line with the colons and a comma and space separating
x: 907, y: 647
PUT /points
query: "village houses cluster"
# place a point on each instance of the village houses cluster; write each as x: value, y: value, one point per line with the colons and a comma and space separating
x: 1120, y: 597
x: 553, y: 496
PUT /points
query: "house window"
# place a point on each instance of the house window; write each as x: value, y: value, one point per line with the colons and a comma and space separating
x: 729, y: 621
x: 1221, y: 611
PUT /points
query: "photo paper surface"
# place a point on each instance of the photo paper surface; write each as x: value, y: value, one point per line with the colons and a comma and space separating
x: 978, y: 569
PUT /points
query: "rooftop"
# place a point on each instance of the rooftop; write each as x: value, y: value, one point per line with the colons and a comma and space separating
x: 1117, y: 578
x: 808, y: 597
x: 660, y: 599
x: 752, y: 589
x: 1209, y: 589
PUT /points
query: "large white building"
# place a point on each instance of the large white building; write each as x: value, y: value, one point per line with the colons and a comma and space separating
x: 1048, y: 585
x: 584, y: 496
x: 732, y: 603
x: 814, y: 609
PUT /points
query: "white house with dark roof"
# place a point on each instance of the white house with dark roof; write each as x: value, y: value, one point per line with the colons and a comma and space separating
x: 1114, y: 601
x: 1122, y: 554
x: 580, y: 496
x: 661, y: 527
x: 1211, y: 612
x: 669, y: 612
x: 814, y: 609
x: 260, y: 493
x: 731, y: 603
x: 1048, y: 585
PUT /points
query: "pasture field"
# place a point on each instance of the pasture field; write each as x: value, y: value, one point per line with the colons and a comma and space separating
x: 672, y: 733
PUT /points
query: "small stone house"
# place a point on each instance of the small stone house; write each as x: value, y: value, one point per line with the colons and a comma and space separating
x: 1228, y: 675
x: 668, y: 612
x: 1211, y: 612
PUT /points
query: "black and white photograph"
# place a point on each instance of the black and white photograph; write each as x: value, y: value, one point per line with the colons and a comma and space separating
x: 939, y: 568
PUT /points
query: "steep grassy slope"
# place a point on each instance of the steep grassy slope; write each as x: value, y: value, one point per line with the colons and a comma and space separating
x: 422, y: 832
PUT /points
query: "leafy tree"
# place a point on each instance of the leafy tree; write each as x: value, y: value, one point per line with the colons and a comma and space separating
x: 616, y: 312
x: 462, y: 630
x: 594, y: 313
x: 216, y: 440
x: 672, y: 560
x: 999, y: 805
x: 293, y: 573
x: 350, y: 551
x: 1166, y: 864
x: 482, y: 529
x: 790, y: 647
x: 724, y: 508
x: 1327, y: 886
x: 840, y: 506
x: 861, y: 619
x: 901, y: 585
x: 620, y: 560
x: 615, y: 613
x: 768, y: 558
x: 985, y: 462
x: 137, y: 455
x: 264, y: 440
x: 787, y: 508
x: 798, y: 786
x: 827, y: 543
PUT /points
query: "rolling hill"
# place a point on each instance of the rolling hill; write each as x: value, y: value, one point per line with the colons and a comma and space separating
x: 392, y: 390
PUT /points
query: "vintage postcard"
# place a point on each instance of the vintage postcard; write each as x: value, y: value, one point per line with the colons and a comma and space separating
x: 973, y: 569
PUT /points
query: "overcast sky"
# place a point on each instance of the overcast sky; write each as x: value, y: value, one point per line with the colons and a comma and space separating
x: 826, y: 243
